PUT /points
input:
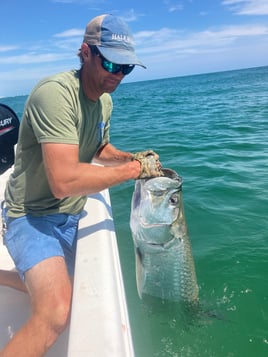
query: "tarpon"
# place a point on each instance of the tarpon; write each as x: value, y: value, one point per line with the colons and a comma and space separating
x: 164, y: 261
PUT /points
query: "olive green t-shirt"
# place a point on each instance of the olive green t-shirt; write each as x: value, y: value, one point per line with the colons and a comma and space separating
x: 57, y: 111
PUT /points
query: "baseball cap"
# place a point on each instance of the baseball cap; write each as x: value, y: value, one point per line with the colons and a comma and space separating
x: 113, y: 39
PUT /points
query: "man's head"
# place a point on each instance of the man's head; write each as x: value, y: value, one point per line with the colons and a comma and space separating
x: 107, y: 55
x: 113, y: 39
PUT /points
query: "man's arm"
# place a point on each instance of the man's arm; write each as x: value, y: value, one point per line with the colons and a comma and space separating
x: 108, y: 155
x: 69, y: 177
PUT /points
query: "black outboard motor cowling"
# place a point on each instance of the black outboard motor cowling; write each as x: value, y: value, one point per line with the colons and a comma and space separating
x: 9, y: 130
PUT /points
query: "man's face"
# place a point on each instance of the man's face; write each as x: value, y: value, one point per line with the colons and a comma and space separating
x: 95, y: 78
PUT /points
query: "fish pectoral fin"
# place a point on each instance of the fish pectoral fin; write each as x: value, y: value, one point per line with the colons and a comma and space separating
x: 140, y: 274
x: 138, y: 254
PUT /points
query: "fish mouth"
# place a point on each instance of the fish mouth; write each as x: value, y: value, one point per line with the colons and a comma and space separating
x: 171, y: 174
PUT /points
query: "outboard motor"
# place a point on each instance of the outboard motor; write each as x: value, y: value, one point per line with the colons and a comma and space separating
x: 9, y: 130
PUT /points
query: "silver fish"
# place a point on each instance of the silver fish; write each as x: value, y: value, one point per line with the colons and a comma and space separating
x: 164, y: 261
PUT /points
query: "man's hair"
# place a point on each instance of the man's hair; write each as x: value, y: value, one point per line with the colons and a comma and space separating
x: 94, y: 51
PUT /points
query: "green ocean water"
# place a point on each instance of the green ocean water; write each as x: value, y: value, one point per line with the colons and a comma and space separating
x: 213, y: 130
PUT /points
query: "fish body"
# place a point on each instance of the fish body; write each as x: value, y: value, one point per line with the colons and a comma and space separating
x: 164, y: 261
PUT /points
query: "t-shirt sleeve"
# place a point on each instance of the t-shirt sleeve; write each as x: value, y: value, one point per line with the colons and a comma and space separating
x: 52, y: 111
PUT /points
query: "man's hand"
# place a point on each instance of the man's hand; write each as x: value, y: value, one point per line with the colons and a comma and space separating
x: 150, y: 164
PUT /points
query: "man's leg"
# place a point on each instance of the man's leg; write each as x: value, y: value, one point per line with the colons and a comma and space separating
x: 12, y: 279
x: 50, y: 290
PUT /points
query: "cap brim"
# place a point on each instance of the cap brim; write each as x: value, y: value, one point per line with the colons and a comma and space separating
x: 120, y: 56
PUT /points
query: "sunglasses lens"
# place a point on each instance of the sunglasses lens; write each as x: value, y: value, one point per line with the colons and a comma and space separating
x: 110, y: 66
x: 127, y: 68
x: 115, y: 68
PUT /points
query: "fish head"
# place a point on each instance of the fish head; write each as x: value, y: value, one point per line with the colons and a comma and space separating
x: 156, y: 204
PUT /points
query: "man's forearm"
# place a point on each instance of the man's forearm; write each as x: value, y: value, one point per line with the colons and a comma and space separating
x: 108, y: 155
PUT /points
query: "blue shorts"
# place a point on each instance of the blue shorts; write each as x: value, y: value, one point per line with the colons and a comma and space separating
x: 30, y: 239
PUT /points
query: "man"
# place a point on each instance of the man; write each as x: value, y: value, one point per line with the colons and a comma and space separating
x: 65, y: 126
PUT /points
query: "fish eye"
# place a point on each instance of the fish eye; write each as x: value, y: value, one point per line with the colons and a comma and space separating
x: 174, y: 199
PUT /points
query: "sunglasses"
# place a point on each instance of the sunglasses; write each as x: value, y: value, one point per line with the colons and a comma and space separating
x: 110, y: 66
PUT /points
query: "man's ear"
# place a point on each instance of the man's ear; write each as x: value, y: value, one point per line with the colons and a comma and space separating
x: 85, y: 51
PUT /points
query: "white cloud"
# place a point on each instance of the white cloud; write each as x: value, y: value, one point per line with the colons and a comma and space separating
x: 70, y: 33
x: 7, y: 48
x: 131, y: 15
x: 173, y: 6
x: 247, y: 7
x: 171, y: 40
x: 31, y: 58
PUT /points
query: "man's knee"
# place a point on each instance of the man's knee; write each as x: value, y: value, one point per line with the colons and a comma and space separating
x: 51, y: 291
x: 59, y: 314
x: 61, y: 317
x: 54, y: 310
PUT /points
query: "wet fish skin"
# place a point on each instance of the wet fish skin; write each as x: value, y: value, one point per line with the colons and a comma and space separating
x: 164, y: 261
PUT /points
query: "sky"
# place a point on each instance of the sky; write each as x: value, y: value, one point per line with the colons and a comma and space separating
x: 172, y: 37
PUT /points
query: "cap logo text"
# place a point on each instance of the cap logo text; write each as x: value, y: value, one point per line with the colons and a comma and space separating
x: 120, y: 37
